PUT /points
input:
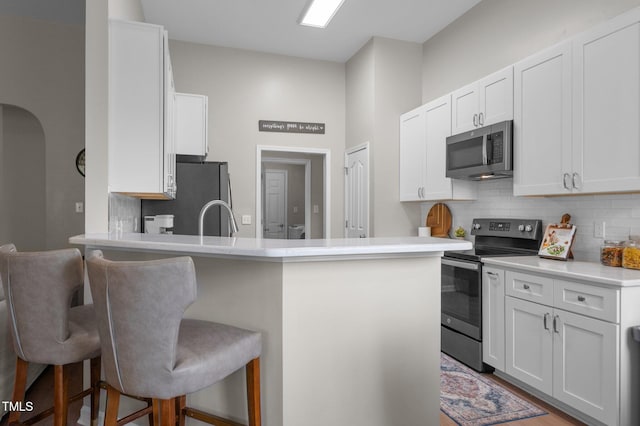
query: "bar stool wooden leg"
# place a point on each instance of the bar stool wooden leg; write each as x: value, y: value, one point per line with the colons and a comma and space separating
x: 156, y: 412
x: 167, y: 412
x: 253, y: 391
x: 19, y: 387
x: 95, y: 389
x: 181, y: 404
x: 60, y: 395
x: 113, y: 402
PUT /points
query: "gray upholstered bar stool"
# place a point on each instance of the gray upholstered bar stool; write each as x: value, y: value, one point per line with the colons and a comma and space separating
x: 148, y: 349
x: 45, y: 329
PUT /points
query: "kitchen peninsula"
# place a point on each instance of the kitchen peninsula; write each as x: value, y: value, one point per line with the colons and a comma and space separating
x: 351, y: 327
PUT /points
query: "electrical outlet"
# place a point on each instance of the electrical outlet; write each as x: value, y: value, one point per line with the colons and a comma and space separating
x: 79, y: 207
x: 316, y: 209
x: 246, y: 219
x: 599, y: 229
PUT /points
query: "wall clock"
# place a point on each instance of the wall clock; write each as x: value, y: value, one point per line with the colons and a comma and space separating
x: 80, y: 165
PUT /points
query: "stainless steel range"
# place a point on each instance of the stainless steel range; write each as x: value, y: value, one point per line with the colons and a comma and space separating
x: 462, y: 282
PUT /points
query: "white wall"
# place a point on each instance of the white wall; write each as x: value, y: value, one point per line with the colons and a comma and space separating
x: 452, y: 59
x: 96, y: 131
x: 244, y: 87
x: 383, y: 81
x: 43, y: 73
x: 497, y: 33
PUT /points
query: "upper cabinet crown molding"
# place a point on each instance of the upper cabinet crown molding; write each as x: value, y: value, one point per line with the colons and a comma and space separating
x: 484, y: 102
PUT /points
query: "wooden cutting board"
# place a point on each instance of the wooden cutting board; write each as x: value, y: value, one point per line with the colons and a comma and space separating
x: 439, y: 219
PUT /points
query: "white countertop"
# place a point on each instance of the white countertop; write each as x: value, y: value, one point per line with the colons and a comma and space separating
x: 270, y: 249
x: 570, y: 269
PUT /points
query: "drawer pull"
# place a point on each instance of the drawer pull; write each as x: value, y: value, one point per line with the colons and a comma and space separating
x: 581, y: 299
x: 526, y: 287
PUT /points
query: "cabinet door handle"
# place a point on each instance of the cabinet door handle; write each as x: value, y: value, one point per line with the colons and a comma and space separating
x: 575, y: 177
x: 526, y: 287
x: 481, y: 119
x: 475, y: 120
x: 555, y: 324
x: 581, y: 299
x: 544, y: 321
x: 492, y: 274
x: 565, y: 182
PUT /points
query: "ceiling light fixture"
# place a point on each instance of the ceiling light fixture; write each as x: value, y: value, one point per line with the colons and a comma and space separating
x: 319, y: 12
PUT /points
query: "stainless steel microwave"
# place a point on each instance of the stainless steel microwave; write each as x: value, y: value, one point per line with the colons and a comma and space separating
x: 482, y: 153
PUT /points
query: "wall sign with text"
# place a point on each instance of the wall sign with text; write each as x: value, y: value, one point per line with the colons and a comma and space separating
x: 290, y: 127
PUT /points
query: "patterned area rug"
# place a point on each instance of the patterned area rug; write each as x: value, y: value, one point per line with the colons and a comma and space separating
x: 470, y: 399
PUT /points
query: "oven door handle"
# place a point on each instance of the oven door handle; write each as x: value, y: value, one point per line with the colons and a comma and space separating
x: 463, y: 265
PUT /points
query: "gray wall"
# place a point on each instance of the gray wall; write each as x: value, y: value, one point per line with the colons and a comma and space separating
x: 383, y: 81
x: 244, y: 87
x: 43, y: 73
x: 466, y: 50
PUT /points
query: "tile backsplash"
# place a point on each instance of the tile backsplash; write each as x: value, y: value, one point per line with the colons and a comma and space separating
x: 124, y: 213
x: 619, y: 212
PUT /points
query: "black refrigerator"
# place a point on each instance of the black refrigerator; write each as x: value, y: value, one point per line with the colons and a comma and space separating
x: 198, y: 183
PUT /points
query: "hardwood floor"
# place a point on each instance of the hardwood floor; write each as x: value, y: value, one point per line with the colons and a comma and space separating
x: 554, y: 418
x: 41, y: 394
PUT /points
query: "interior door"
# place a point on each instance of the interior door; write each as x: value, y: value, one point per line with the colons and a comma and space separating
x: 275, y: 206
x: 357, y: 193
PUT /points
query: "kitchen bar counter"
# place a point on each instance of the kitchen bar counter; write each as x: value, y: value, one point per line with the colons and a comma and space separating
x: 351, y: 327
x: 593, y: 272
x: 273, y: 250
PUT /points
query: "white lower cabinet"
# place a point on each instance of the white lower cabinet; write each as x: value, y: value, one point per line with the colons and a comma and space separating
x: 569, y: 340
x: 570, y: 357
x: 493, y: 320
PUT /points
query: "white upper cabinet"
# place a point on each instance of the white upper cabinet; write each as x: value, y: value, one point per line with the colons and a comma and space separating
x: 141, y: 150
x: 606, y: 107
x: 191, y: 124
x: 423, y: 133
x: 542, y: 122
x: 576, y: 109
x: 485, y: 102
x: 413, y: 154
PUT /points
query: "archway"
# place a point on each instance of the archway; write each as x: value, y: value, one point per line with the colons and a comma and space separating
x: 22, y: 179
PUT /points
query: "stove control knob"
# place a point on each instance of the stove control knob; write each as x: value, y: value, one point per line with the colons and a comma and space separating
x: 528, y: 228
x: 476, y: 226
x: 520, y: 228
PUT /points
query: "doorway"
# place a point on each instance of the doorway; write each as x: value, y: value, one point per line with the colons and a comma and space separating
x: 275, y: 184
x: 356, y: 192
x: 308, y: 191
x: 22, y: 179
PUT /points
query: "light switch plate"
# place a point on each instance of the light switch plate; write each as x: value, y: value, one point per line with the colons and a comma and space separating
x: 246, y: 219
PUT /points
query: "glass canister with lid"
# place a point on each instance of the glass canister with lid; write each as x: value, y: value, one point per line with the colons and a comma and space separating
x: 611, y: 253
x: 631, y: 255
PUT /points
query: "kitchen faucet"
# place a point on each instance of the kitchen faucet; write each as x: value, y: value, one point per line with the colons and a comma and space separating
x: 234, y: 225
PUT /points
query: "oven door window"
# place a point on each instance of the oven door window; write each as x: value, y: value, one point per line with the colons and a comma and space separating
x: 461, y: 294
